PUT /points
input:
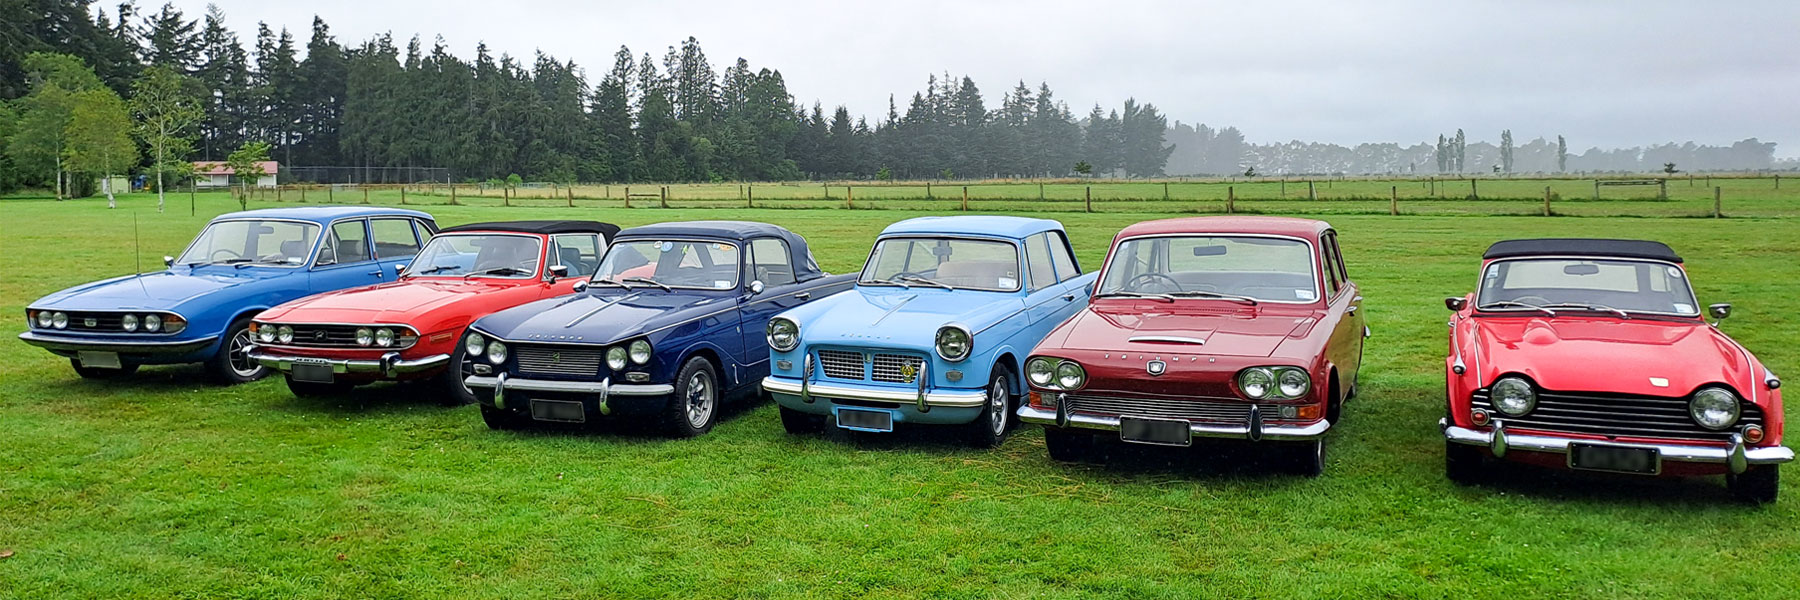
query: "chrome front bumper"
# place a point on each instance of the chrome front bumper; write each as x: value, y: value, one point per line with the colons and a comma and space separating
x: 923, y: 398
x: 389, y: 365
x: 77, y: 344
x: 1736, y: 456
x: 604, y: 388
x: 1254, y: 430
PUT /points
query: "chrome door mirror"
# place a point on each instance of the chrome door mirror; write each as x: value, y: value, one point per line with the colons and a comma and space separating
x: 756, y: 287
x: 581, y: 286
x: 1719, y: 311
x: 168, y: 261
x: 558, y: 272
x: 399, y: 269
x: 1456, y: 303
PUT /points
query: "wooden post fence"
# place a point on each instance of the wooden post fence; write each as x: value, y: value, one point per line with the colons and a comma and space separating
x: 1394, y: 201
x: 750, y: 196
x: 193, y: 205
x: 1041, y: 187
x: 1474, y: 192
x: 1284, y: 187
x: 506, y: 195
x: 330, y: 194
x: 1165, y: 191
x: 402, y: 195
x: 365, y: 190
x: 849, y: 197
x: 827, y: 191
x: 928, y: 191
x: 1662, y: 189
x: 1090, y: 198
x: 1546, y: 201
x: 1230, y: 199
x: 1718, y: 205
x: 1312, y: 193
x: 303, y: 194
x: 571, y: 196
x: 1597, y: 189
x: 628, y: 196
x: 278, y: 193
x: 665, y: 196
x: 1434, y: 187
x: 1778, y: 182
x: 965, y: 205
x: 453, y: 194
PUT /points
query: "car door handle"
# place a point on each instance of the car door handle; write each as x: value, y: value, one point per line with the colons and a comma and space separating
x: 1069, y: 297
x: 375, y: 272
x: 803, y: 295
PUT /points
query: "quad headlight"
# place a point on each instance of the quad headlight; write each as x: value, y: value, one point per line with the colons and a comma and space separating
x: 153, y: 323
x: 1714, y: 408
x: 474, y: 344
x: 1274, y: 383
x: 954, y: 342
x: 1070, y: 375
x: 1055, y: 373
x: 1040, y: 371
x: 496, y: 352
x: 784, y: 334
x: 265, y: 332
x: 59, y: 320
x: 44, y: 319
x: 1513, y: 396
x: 284, y: 334
x: 129, y: 322
x: 384, y: 337
x: 364, y: 336
x: 640, y: 352
x: 615, y: 358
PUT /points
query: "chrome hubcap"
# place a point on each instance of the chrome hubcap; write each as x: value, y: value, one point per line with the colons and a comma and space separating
x: 699, y: 399
x: 237, y: 353
x: 997, y: 407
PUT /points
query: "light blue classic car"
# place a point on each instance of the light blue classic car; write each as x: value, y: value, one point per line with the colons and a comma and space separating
x: 941, y: 319
x: 199, y: 308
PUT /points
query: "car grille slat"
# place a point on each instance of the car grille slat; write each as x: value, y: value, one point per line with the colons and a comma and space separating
x: 843, y: 364
x: 1617, y: 416
x: 325, y: 336
x: 1201, y: 409
x: 571, y: 362
x: 111, y: 322
x: 892, y: 368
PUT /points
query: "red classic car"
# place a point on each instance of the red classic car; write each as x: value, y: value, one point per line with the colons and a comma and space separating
x: 408, y: 329
x: 1220, y: 327
x: 1593, y: 355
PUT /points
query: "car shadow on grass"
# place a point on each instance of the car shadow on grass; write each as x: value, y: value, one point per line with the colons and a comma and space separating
x: 1604, y: 488
x: 636, y: 428
x: 1205, y: 459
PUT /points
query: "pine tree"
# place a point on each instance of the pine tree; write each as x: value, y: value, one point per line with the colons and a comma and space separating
x: 1506, y: 151
x: 1461, y: 151
x: 1562, y: 154
x: 171, y: 40
x: 319, y: 99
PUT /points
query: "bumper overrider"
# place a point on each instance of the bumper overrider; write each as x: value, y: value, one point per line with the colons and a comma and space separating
x: 1736, y: 455
x: 64, y: 343
x: 604, y: 390
x: 1253, y: 429
x: 389, y: 365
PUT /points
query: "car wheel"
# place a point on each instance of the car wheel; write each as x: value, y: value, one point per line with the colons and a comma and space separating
x: 125, y: 369
x: 1759, y: 484
x: 695, y: 406
x: 1462, y: 462
x: 307, y: 389
x: 1307, y: 458
x: 799, y: 423
x: 451, y: 391
x: 1067, y: 446
x: 500, y: 419
x: 989, y: 429
x: 232, y: 364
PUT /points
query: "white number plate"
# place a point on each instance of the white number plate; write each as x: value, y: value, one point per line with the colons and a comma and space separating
x: 99, y: 360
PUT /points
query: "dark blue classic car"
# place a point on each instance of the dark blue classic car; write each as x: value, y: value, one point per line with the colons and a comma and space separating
x: 672, y: 323
x: 199, y: 309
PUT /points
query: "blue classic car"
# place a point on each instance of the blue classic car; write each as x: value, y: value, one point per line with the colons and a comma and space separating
x: 199, y: 309
x: 670, y: 325
x: 942, y: 317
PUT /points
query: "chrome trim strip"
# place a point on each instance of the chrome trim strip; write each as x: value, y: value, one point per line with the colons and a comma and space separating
x: 1310, y: 431
x: 1166, y: 338
x: 1760, y: 455
x: 120, y: 346
x: 603, y: 306
x: 897, y: 306
x: 960, y: 399
x: 389, y: 365
x: 571, y: 387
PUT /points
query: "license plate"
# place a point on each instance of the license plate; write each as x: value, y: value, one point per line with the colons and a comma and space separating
x: 558, y: 410
x: 865, y: 420
x: 1614, y: 459
x: 1162, y: 432
x: 101, y: 360
x: 313, y: 373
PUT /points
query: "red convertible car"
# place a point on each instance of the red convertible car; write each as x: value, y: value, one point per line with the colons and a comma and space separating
x: 1218, y: 327
x: 408, y: 329
x: 1593, y: 355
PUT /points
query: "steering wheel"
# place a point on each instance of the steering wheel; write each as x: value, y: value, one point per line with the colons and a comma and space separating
x: 1540, y: 300
x: 1134, y: 283
x: 214, y: 257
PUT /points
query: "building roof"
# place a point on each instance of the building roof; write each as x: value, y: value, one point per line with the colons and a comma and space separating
x: 982, y: 225
x: 805, y: 268
x: 324, y: 214
x: 1582, y: 247
x: 606, y: 230
x: 1288, y: 226
x: 218, y: 167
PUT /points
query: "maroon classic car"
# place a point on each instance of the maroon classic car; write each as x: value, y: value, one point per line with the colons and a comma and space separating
x: 1220, y: 327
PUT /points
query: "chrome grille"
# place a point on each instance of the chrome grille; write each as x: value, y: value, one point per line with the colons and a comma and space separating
x: 842, y: 364
x: 114, y: 322
x: 1187, y: 409
x: 325, y: 336
x: 578, y: 362
x: 891, y: 368
x: 1617, y: 415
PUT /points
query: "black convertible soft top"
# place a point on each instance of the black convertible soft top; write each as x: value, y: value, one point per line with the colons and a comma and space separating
x: 606, y: 230
x: 1582, y: 247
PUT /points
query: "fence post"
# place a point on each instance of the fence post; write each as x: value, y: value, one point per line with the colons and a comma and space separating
x: 1546, y: 201
x: 278, y: 193
x: 1284, y: 187
x: 665, y: 196
x: 965, y: 205
x: 193, y: 205
x: 1717, y: 204
x: 1090, y: 198
x: 1041, y: 187
x: 506, y: 195
x: 1165, y: 191
x: 1394, y: 201
x: 365, y: 190
x: 607, y: 188
x: 750, y: 195
x: 1230, y: 199
x: 928, y: 191
x: 571, y: 196
x: 1434, y: 186
x: 1596, y: 189
x: 402, y: 195
x: 303, y: 193
x: 1474, y: 192
x: 1312, y: 193
x: 453, y: 194
x: 1778, y: 181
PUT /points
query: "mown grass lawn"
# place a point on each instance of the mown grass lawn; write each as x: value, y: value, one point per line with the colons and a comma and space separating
x: 166, y: 486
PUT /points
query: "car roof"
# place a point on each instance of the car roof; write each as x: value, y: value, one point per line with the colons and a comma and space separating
x: 1582, y: 247
x: 982, y: 225
x: 1288, y: 226
x: 731, y: 230
x: 324, y: 214
x: 606, y: 230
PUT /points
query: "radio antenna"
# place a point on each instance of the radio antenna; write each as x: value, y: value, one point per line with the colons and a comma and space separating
x: 137, y: 243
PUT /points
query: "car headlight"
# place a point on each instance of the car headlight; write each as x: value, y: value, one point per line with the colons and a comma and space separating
x: 364, y: 337
x: 59, y: 320
x: 384, y: 337
x: 496, y: 352
x: 1070, y: 376
x: 1513, y: 396
x: 640, y: 352
x: 265, y: 332
x: 1256, y: 382
x: 153, y: 323
x: 615, y: 358
x: 129, y: 322
x: 1040, y: 371
x: 1714, y: 408
x: 474, y: 344
x: 954, y: 342
x: 43, y: 319
x: 284, y: 334
x: 784, y: 334
x: 1292, y: 383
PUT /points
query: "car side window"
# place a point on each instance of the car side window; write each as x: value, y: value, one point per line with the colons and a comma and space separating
x: 1059, y: 253
x: 1333, y: 280
x: 394, y: 238
x: 1038, y: 262
x: 579, y: 252
x: 425, y: 232
x: 770, y: 263
x: 347, y: 243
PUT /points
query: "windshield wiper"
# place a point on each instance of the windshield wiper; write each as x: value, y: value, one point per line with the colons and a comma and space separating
x: 1205, y: 294
x: 499, y: 271
x: 610, y: 281
x: 650, y: 281
x: 886, y: 282
x: 1594, y: 307
x: 1529, y: 305
x: 436, y: 269
x: 1127, y: 294
x: 924, y: 280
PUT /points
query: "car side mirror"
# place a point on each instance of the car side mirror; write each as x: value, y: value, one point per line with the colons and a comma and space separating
x: 1456, y: 303
x: 1719, y: 311
x: 399, y: 269
x: 581, y: 286
x: 756, y: 287
x: 168, y: 261
x: 558, y: 272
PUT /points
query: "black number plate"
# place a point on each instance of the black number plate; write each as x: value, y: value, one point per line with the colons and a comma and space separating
x: 1161, y: 432
x: 865, y: 420
x: 311, y: 373
x: 558, y: 410
x: 1615, y: 459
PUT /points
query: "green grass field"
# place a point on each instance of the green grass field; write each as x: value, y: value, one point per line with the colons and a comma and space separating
x: 167, y: 486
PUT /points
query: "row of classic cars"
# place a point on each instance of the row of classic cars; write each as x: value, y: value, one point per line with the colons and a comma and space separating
x: 1582, y: 354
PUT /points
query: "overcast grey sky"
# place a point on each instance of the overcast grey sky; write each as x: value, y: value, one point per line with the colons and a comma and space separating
x: 1602, y: 73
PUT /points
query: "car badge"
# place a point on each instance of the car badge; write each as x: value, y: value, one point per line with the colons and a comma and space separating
x: 908, y: 373
x: 1156, y: 367
x: 556, y: 357
x: 1659, y: 382
x: 91, y: 322
x: 319, y: 335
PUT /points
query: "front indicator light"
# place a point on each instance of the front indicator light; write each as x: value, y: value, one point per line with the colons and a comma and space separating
x: 1753, y: 434
x: 174, y: 324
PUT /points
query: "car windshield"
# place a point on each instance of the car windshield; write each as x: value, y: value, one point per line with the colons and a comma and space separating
x: 701, y: 264
x: 1601, y: 285
x: 479, y: 255
x: 954, y: 263
x: 251, y: 241
x: 1240, y: 268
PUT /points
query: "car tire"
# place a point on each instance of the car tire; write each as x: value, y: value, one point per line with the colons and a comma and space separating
x: 799, y: 423
x: 500, y: 419
x: 231, y: 365
x: 1759, y: 484
x: 451, y: 391
x: 1067, y: 446
x: 695, y: 406
x: 307, y: 389
x: 124, y: 370
x: 1306, y: 458
x: 989, y: 430
x: 1462, y: 463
